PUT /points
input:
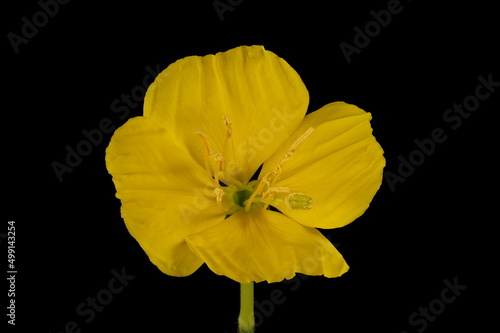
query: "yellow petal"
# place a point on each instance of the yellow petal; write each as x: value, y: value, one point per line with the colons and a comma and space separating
x: 260, y: 95
x: 266, y: 245
x: 339, y: 165
x: 165, y: 195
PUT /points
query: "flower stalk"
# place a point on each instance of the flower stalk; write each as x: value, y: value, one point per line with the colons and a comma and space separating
x: 246, y: 320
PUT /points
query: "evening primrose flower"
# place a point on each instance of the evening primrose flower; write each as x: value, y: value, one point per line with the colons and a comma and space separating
x: 225, y: 168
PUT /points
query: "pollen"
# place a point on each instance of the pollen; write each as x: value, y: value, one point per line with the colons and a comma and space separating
x: 269, y: 193
x: 301, y: 139
x: 217, y: 156
x: 218, y: 194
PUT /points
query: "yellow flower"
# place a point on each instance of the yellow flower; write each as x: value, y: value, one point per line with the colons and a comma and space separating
x: 184, y: 171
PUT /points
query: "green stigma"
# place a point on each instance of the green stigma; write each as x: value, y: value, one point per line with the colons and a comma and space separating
x: 299, y: 201
x: 241, y: 196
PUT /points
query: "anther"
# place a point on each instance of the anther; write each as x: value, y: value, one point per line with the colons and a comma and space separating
x: 228, y: 124
x: 218, y: 193
x: 217, y: 156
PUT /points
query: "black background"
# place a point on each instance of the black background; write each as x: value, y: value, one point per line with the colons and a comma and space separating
x: 437, y: 225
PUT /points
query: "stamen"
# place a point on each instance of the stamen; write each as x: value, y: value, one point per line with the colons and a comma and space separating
x: 207, y: 147
x: 218, y: 193
x: 301, y: 139
x: 266, y: 180
x: 270, y: 178
x: 269, y: 193
x: 292, y: 148
x: 268, y: 196
x: 228, y: 124
x: 214, y: 154
x: 229, y: 133
x: 219, y: 158
x: 290, y: 151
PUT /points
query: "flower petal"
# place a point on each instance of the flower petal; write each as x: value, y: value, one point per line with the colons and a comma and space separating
x: 266, y: 245
x: 165, y: 195
x: 339, y: 165
x: 261, y: 95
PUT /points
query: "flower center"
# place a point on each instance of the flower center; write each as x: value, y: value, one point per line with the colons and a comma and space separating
x: 255, y: 194
x: 236, y: 196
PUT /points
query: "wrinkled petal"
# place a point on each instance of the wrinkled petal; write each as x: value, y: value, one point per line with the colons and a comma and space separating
x: 263, y: 98
x: 266, y: 245
x: 165, y: 195
x: 339, y: 165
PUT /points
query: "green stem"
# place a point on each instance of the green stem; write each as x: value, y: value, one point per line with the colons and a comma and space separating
x: 246, y: 320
